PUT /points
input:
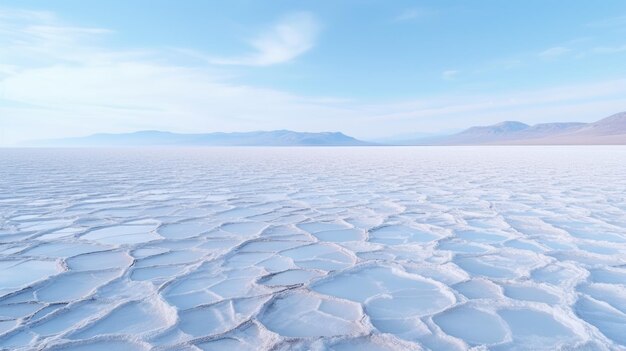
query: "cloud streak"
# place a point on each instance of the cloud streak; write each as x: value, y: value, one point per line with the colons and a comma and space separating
x: 554, y: 52
x: 450, y: 74
x: 292, y: 36
x: 609, y: 49
x: 411, y: 14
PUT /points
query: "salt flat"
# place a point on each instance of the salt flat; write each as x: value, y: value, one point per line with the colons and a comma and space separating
x: 443, y: 248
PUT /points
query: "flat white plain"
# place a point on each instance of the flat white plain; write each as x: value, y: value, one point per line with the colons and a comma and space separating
x: 313, y: 248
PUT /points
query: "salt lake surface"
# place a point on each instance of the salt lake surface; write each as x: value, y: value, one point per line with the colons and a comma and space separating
x: 443, y: 248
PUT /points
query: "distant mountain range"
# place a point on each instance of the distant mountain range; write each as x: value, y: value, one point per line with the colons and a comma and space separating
x: 158, y: 138
x: 607, y: 131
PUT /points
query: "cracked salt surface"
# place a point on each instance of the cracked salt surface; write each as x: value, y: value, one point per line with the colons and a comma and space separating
x: 446, y: 248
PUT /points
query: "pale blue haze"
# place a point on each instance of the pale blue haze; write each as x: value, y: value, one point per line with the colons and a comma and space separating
x: 370, y: 69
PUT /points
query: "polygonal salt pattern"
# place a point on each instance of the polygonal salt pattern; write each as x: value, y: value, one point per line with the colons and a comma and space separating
x: 448, y: 248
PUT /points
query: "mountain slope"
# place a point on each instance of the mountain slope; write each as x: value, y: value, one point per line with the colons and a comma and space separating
x: 500, y: 131
x: 607, y: 131
x: 612, y: 125
x: 158, y: 138
x: 610, y: 130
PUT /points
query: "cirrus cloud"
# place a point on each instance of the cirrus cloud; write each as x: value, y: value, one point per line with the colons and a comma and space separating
x: 287, y: 39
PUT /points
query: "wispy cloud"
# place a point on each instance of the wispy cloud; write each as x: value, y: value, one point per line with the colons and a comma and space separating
x: 37, y: 38
x: 609, y: 49
x: 13, y: 15
x: 449, y: 74
x: 289, y: 38
x: 412, y: 14
x: 554, y: 52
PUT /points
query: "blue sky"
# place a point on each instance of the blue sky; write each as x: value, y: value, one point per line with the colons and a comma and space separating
x: 367, y: 68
